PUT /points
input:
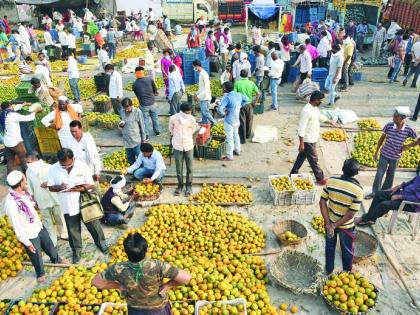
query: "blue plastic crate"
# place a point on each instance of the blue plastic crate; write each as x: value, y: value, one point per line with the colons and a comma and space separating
x: 321, y: 84
x: 82, y: 59
x: 319, y: 73
x: 357, y: 76
x: 294, y: 72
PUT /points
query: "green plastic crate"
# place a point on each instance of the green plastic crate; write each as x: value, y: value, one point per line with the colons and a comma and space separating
x: 212, y: 153
x: 259, y: 109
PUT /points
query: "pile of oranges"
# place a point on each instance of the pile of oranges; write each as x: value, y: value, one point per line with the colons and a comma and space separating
x: 12, y: 252
x: 350, y: 292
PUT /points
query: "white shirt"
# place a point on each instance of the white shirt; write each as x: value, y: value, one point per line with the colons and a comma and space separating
x: 103, y: 58
x: 115, y: 85
x: 182, y: 127
x: 276, y: 69
x: 284, y: 54
x: 71, y: 41
x: 225, y: 77
x: 301, y: 38
x: 36, y: 174
x: 43, y: 70
x: 223, y: 46
x: 64, y: 133
x: 238, y: 66
x: 24, y: 230
x: 12, y: 135
x: 308, y: 127
x: 416, y: 51
x: 79, y: 174
x: 72, y: 68
x: 48, y: 39
x: 204, y: 92
x: 62, y: 37
x: 324, y: 46
x: 305, y: 62
x: 269, y: 60
x: 85, y: 150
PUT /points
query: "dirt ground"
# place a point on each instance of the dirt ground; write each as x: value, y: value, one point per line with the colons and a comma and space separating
x: 373, y: 98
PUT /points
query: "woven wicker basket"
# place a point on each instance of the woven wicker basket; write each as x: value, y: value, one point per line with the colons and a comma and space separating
x: 342, y: 312
x: 297, y: 272
x: 293, y: 226
x: 365, y: 246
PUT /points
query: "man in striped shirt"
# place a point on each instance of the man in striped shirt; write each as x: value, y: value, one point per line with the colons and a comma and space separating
x: 340, y: 201
x: 394, y: 134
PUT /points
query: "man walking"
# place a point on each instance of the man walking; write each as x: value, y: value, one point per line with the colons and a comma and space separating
x: 361, y: 32
x: 308, y: 132
x: 20, y: 209
x: 394, y: 134
x: 146, y: 90
x: 246, y: 115
x: 340, y: 201
x: 415, y: 65
x: 182, y: 127
x: 334, y: 74
x: 305, y: 63
x: 230, y: 107
x: 275, y: 73
x: 115, y: 87
x: 204, y: 93
x: 132, y: 128
x: 348, y: 55
x: 69, y: 177
x: 84, y: 148
x: 176, y: 88
x: 37, y: 178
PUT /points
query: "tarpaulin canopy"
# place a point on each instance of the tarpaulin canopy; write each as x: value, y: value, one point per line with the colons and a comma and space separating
x: 36, y: 2
x: 55, y: 3
x: 264, y: 11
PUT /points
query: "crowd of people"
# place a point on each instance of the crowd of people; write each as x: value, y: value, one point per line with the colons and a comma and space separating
x: 61, y: 191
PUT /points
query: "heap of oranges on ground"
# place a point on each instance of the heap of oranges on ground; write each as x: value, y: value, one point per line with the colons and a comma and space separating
x: 213, y: 245
x: 12, y: 252
x: 223, y: 193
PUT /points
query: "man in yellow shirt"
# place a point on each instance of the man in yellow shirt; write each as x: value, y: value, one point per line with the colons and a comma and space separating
x: 348, y: 54
x: 340, y: 201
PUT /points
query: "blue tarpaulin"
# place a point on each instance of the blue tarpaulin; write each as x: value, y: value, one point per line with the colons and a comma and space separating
x: 264, y: 11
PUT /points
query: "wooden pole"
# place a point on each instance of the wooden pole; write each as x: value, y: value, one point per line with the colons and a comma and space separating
x: 48, y: 264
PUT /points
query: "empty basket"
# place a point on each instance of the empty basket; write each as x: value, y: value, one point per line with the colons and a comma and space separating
x: 365, y: 245
x: 297, y: 272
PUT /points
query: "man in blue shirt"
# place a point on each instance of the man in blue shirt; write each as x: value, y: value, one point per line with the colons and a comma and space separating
x: 230, y: 107
x: 176, y: 88
x: 361, y: 31
x: 149, y: 165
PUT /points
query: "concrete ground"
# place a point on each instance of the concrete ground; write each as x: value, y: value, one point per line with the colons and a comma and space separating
x: 373, y: 97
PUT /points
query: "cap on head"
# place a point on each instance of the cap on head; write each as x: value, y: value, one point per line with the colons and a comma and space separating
x: 14, y: 178
x: 402, y: 111
x: 63, y: 98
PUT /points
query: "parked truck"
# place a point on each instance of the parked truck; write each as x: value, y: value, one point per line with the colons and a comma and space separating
x: 187, y: 11
x: 232, y: 10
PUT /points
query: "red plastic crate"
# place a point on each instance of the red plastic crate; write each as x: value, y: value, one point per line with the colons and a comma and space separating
x: 203, y: 137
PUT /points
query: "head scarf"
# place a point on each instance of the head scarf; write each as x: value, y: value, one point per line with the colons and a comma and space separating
x: 118, y: 186
x: 59, y: 122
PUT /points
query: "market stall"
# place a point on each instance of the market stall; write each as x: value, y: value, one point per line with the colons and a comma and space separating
x: 270, y: 13
x: 308, y: 10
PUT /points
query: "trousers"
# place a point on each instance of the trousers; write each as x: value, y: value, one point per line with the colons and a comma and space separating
x: 175, y: 103
x: 142, y: 172
x: 347, y: 237
x: 132, y: 153
x: 74, y: 86
x: 74, y: 229
x: 381, y: 204
x: 387, y: 166
x: 10, y: 155
x: 150, y: 111
x: 205, y: 113
x: 331, y: 87
x: 232, y: 140
x: 161, y: 311
x: 42, y: 242
x: 246, y: 119
x: 180, y: 157
x: 417, y: 109
x: 309, y: 153
x: 116, y: 105
x: 50, y: 216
